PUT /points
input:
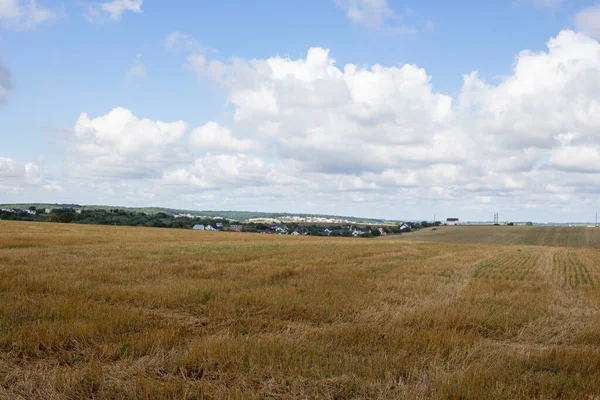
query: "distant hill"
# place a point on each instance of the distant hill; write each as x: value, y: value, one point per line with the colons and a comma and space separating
x: 232, y: 215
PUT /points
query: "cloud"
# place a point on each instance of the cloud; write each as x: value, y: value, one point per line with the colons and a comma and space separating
x: 552, y: 4
x: 385, y: 129
x: 220, y: 171
x: 376, y: 14
x: 588, y: 20
x: 333, y: 119
x: 372, y: 13
x: 309, y: 134
x: 15, y: 173
x: 576, y: 158
x: 120, y: 145
x: 24, y: 14
x: 178, y: 42
x: 112, y: 10
x: 138, y: 70
x: 213, y: 137
x: 5, y: 81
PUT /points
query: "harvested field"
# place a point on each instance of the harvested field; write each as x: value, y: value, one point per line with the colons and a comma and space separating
x: 116, y: 313
x: 557, y: 236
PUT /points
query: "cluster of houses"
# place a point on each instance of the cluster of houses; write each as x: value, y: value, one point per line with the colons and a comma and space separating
x: 219, y: 226
x: 298, y: 230
x: 298, y: 219
x: 19, y: 211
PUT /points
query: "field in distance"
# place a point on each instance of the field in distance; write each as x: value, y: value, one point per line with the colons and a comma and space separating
x: 564, y: 236
x: 110, y: 312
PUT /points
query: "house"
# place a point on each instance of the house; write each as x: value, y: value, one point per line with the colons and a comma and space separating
x: 47, y: 210
x: 236, y: 227
x: 295, y: 233
x: 357, y: 232
x: 327, y: 232
x: 280, y: 229
x: 219, y: 224
x: 198, y: 227
x: 210, y: 228
x: 382, y: 232
x: 405, y: 228
x: 452, y: 221
x: 77, y: 211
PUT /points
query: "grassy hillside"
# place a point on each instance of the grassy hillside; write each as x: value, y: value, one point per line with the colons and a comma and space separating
x: 516, y: 235
x: 232, y: 215
x: 115, y: 312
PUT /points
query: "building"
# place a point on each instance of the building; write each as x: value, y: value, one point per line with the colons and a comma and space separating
x: 236, y: 227
x: 219, y: 225
x: 452, y: 221
x: 198, y: 227
x: 210, y: 228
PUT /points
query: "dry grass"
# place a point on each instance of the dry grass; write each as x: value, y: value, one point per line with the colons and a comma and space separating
x: 557, y: 236
x: 113, y: 313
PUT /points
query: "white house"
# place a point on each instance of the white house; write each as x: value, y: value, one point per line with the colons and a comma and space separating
x: 357, y: 232
x: 198, y: 227
x: 209, y: 228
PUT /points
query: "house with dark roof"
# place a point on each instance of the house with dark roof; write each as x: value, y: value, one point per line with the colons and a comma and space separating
x: 236, y: 227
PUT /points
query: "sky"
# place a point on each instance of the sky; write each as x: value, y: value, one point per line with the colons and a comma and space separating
x: 373, y: 108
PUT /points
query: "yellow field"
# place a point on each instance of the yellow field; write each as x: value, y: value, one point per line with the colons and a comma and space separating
x: 114, y: 312
x: 517, y: 235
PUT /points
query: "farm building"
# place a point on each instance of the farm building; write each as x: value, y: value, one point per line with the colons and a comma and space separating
x: 236, y: 227
x: 452, y: 221
x: 198, y: 227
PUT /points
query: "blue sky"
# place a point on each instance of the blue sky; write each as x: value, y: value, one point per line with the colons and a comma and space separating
x: 268, y: 127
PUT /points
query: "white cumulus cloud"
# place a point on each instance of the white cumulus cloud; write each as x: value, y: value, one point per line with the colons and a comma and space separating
x: 24, y: 14
x: 364, y: 139
x: 588, y: 20
x: 213, y: 137
x: 120, y: 145
x: 113, y: 10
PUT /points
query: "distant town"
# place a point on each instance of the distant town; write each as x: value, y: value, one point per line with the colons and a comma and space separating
x: 232, y: 221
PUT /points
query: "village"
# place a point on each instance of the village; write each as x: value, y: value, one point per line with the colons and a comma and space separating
x: 322, y: 229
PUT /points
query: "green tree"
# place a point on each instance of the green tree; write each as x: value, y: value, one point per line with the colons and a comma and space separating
x: 65, y: 218
x: 528, y: 223
x: 32, y: 208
